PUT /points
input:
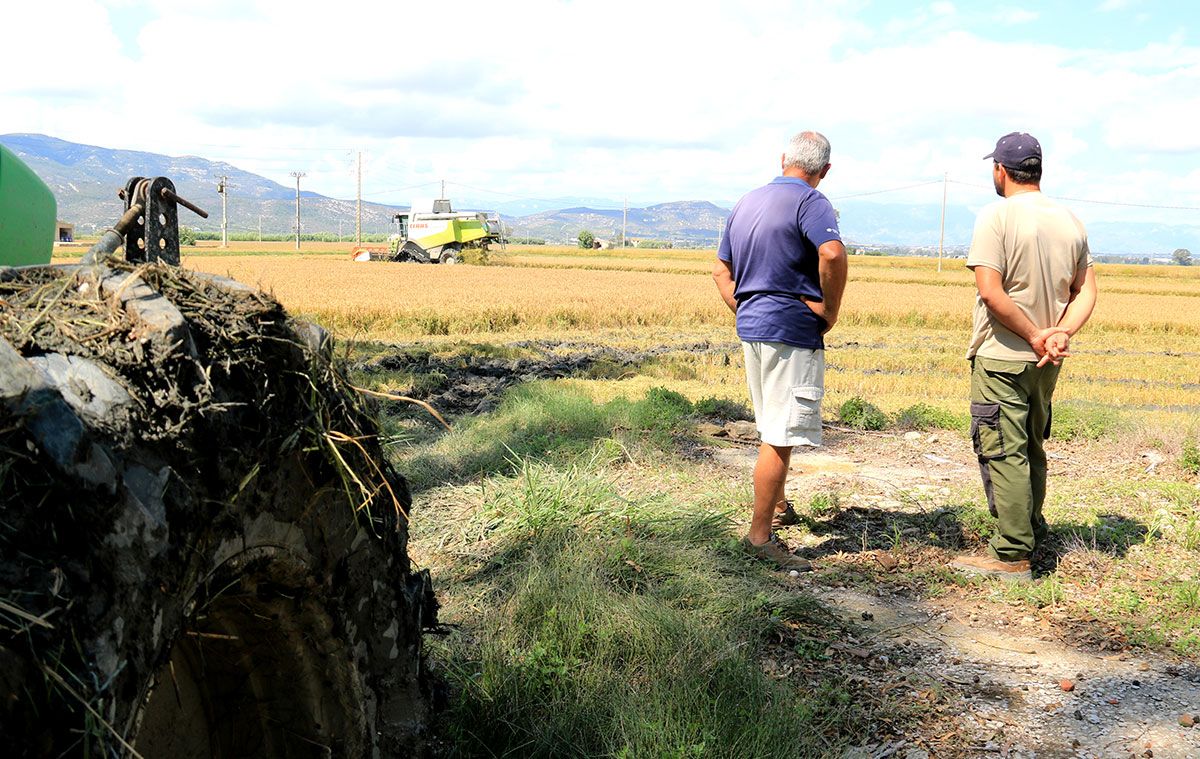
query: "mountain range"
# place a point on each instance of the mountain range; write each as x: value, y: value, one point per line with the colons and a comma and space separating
x: 85, y: 180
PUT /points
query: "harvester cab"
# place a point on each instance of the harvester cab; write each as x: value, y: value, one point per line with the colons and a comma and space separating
x: 431, y: 231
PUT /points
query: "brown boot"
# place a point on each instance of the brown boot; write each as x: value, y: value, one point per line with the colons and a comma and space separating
x: 785, y: 518
x: 987, y: 566
x: 777, y: 552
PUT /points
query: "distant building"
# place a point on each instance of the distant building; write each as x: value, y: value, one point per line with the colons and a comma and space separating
x: 64, y: 232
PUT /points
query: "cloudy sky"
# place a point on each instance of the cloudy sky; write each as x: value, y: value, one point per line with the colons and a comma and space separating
x: 650, y: 100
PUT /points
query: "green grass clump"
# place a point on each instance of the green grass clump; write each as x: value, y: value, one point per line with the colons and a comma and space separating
x: 630, y: 628
x: 1048, y: 591
x: 427, y: 383
x: 975, y: 521
x: 1189, y: 460
x: 544, y: 420
x: 723, y: 409
x: 606, y: 369
x: 824, y: 505
x: 862, y: 415
x: 922, y: 416
x: 1177, y: 520
x: 1074, y: 420
x: 661, y: 409
x: 534, y: 419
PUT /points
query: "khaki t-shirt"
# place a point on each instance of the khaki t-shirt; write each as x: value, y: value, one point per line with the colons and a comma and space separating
x: 1038, y: 247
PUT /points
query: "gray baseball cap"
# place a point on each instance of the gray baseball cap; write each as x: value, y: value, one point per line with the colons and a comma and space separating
x: 1015, y: 147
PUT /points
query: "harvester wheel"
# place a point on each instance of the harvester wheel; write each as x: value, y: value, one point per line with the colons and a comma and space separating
x: 410, y: 251
x: 451, y: 254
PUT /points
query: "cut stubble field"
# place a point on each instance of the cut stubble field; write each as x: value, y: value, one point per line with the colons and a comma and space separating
x: 901, y: 338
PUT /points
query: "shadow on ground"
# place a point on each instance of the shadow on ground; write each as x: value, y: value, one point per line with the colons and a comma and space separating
x: 962, y: 527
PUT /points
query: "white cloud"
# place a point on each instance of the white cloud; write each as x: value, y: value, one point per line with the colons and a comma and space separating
x: 1016, y: 16
x: 587, y: 98
x: 41, y: 55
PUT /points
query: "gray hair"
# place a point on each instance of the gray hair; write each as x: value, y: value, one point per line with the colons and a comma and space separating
x: 808, y: 151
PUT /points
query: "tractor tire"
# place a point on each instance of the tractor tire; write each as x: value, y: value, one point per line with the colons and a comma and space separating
x: 410, y: 251
x: 187, y: 565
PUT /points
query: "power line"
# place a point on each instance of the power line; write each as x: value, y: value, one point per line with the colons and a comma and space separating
x: 494, y: 192
x: 514, y: 195
x: 1089, y: 200
x: 399, y: 189
x: 276, y: 148
x: 972, y: 184
x: 890, y: 189
x: 1127, y: 205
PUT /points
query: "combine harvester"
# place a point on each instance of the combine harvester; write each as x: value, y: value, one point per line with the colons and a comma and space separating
x: 432, y: 232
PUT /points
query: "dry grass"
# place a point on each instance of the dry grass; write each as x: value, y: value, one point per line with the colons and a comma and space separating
x: 399, y: 301
x: 394, y: 300
x: 901, y: 339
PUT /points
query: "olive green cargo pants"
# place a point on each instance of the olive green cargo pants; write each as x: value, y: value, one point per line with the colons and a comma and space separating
x: 1010, y: 419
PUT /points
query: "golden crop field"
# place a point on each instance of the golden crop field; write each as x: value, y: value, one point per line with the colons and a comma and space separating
x: 901, y: 339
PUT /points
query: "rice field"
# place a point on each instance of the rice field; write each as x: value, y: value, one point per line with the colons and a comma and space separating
x: 901, y: 338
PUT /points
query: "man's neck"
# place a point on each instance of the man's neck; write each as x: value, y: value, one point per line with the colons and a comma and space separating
x: 1012, y: 188
x: 797, y: 173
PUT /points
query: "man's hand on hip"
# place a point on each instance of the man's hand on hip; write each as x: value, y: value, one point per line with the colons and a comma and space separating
x: 832, y: 268
x: 723, y: 276
x: 821, y: 309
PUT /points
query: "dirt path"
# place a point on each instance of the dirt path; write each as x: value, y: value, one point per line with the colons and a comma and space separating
x: 1000, y: 683
x: 994, y: 679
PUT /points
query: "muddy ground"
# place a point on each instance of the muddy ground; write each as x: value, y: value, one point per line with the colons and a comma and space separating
x: 465, y: 383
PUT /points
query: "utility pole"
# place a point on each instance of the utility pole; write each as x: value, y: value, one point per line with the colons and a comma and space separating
x: 942, y: 237
x: 339, y: 230
x: 260, y: 227
x: 221, y: 188
x: 297, y: 175
x: 624, y: 217
x: 358, y: 217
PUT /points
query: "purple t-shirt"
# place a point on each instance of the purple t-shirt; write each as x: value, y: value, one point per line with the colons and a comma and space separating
x: 771, y: 242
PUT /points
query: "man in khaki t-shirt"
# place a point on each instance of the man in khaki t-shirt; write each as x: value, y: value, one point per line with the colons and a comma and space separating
x: 1037, y: 288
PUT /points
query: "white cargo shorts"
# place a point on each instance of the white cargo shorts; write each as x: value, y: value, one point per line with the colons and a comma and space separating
x: 786, y: 386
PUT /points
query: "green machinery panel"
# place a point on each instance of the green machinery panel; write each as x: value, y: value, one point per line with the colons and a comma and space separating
x: 28, y: 214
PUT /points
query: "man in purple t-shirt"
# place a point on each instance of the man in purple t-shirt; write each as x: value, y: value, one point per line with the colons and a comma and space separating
x: 781, y: 268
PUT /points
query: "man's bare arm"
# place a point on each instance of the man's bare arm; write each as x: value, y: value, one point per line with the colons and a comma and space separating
x: 991, y: 290
x: 833, y: 268
x: 723, y: 276
x: 1082, y: 301
x: 1080, y: 304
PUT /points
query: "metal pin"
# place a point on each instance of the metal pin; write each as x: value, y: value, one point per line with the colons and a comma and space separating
x: 168, y: 195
